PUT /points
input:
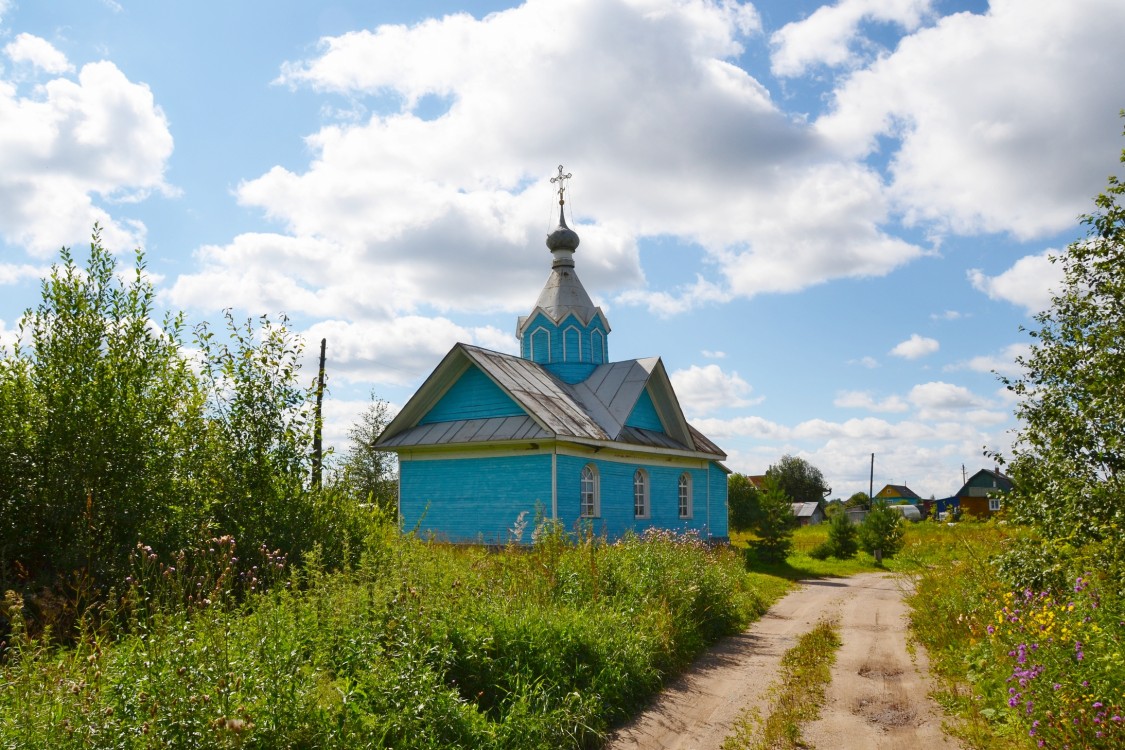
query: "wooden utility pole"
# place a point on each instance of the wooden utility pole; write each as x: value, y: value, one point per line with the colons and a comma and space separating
x: 871, y: 482
x: 318, y: 447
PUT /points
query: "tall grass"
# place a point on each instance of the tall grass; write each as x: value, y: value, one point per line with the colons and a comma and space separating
x: 419, y: 645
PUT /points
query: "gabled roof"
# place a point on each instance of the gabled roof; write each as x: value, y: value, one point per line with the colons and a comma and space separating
x: 594, y: 410
x: 1002, y: 482
x: 900, y: 490
x: 805, y: 510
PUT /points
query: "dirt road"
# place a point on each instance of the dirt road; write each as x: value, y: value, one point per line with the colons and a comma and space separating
x: 877, y: 698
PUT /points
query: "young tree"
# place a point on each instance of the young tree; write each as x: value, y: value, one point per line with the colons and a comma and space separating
x: 882, y: 529
x: 97, y: 405
x: 743, y: 503
x: 1068, y: 461
x: 775, y: 523
x: 368, y: 475
x: 858, y: 500
x: 799, y: 479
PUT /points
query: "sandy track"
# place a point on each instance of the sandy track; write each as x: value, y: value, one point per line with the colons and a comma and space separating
x: 872, y: 678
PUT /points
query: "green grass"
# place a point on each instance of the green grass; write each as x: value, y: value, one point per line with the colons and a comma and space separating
x: 421, y: 645
x: 796, y: 697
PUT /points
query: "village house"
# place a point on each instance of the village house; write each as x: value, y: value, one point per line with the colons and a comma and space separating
x: 558, y: 432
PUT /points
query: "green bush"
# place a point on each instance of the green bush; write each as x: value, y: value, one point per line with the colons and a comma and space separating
x: 882, y: 529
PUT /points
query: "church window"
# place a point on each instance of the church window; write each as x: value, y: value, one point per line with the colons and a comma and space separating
x: 572, y: 345
x: 685, y: 495
x: 597, y: 347
x: 541, y: 345
x: 590, y: 502
x: 640, y: 493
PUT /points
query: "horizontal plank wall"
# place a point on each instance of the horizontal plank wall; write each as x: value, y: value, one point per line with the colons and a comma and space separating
x: 616, y: 482
x: 473, y: 396
x: 718, y: 502
x: 474, y: 499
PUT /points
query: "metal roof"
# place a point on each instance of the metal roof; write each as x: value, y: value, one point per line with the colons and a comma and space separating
x: 595, y: 409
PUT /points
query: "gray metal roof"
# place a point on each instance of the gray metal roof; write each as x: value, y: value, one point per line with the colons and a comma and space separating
x: 595, y: 409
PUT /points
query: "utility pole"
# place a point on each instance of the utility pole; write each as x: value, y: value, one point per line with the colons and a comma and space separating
x: 318, y: 447
x: 871, y: 483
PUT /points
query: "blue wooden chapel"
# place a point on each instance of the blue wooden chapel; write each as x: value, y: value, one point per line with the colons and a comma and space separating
x: 559, y: 431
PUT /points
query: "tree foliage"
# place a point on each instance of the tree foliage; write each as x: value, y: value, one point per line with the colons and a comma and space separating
x: 743, y: 503
x: 367, y: 474
x: 858, y: 500
x: 843, y: 539
x: 1068, y: 461
x: 882, y: 529
x: 799, y: 479
x: 110, y: 434
x: 775, y: 523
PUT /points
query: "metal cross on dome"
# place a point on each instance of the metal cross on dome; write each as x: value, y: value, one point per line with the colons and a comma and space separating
x: 561, y: 179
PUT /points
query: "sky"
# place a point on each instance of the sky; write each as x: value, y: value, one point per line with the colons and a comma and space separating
x: 831, y: 220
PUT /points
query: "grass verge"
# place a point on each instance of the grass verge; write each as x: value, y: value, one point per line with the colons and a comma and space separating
x: 797, y: 697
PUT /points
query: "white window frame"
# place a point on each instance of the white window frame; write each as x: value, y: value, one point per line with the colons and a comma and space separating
x: 684, y: 495
x: 569, y: 356
x: 993, y: 504
x: 531, y: 345
x: 589, y: 492
x: 641, y: 506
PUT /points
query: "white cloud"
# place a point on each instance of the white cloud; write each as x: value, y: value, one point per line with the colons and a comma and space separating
x: 713, y: 354
x: 829, y: 36
x: 947, y: 315
x: 8, y: 336
x: 445, y: 208
x: 14, y: 273
x: 396, y: 352
x: 704, y: 390
x: 1029, y: 283
x: 69, y: 142
x: 1001, y: 363
x: 38, y: 52
x: 864, y: 400
x: 1006, y: 120
x: 915, y: 347
x: 867, y: 361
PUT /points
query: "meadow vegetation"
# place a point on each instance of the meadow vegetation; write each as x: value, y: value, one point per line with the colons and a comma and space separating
x: 418, y: 645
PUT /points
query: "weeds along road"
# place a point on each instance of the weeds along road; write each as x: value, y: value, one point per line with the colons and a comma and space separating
x: 877, y: 697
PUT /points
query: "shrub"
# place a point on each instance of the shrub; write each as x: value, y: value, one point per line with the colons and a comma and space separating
x: 842, y: 540
x: 883, y: 530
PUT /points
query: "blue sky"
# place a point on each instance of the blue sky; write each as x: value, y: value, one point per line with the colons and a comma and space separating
x: 830, y: 220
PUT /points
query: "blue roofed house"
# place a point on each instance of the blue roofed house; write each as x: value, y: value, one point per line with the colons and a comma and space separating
x: 559, y: 431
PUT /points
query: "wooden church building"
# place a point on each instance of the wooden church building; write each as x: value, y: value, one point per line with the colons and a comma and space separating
x: 559, y: 432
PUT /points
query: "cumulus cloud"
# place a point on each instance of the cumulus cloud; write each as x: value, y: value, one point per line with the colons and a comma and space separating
x: 1029, y: 283
x: 947, y: 315
x: 864, y: 400
x: 831, y: 35
x: 915, y: 347
x: 704, y: 390
x: 396, y: 352
x: 446, y: 204
x: 982, y: 113
x: 1001, y: 363
x: 38, y: 52
x: 68, y: 142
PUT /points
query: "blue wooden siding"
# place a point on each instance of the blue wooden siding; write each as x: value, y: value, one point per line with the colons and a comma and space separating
x: 718, y: 502
x: 644, y: 414
x: 616, y: 484
x: 473, y: 396
x: 568, y: 341
x: 474, y: 499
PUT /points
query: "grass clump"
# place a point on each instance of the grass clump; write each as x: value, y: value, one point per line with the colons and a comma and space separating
x: 796, y: 698
x: 418, y: 645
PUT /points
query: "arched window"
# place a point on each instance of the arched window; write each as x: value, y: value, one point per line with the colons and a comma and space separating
x: 590, y: 504
x: 572, y: 345
x: 541, y: 345
x: 640, y: 494
x: 685, y: 495
x: 597, y: 347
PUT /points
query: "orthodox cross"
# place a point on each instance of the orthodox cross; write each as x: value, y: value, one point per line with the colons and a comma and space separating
x: 561, y: 179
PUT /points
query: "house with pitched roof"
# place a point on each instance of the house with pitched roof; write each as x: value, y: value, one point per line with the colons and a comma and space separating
x: 559, y: 431
x: 983, y: 493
